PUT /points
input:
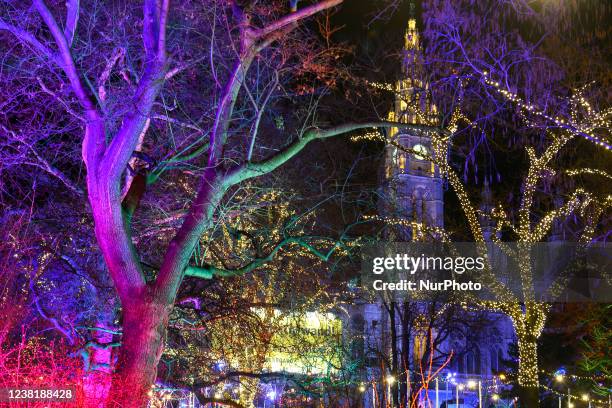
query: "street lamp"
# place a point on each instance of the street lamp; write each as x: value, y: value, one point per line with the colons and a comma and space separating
x: 585, y: 397
x: 271, y: 395
x: 390, y: 380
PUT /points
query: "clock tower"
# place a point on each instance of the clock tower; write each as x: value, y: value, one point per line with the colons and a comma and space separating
x: 412, y: 185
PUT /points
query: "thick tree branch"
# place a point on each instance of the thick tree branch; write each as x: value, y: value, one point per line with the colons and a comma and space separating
x: 67, y: 63
x: 295, y: 17
x: 208, y: 271
x: 251, y: 170
x: 29, y: 39
x: 124, y: 143
x: 104, y: 176
x: 214, y: 185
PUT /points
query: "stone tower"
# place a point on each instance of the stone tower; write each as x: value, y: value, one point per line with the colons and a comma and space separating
x: 411, y: 182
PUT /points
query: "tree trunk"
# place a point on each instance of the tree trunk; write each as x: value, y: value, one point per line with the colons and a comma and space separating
x: 97, y: 381
x: 528, y: 371
x: 144, y: 331
x: 394, y: 357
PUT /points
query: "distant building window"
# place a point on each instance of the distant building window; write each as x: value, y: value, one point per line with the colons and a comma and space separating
x: 402, y: 162
x: 494, y: 361
x: 473, y: 362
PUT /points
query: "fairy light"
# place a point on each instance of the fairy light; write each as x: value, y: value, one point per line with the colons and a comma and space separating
x: 575, y: 397
x: 597, y: 172
x: 591, y: 120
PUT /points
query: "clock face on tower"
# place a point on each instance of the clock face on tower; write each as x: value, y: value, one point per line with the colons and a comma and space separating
x: 419, y: 148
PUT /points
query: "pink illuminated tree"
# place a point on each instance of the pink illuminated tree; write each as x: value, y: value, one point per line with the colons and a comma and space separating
x: 125, y: 150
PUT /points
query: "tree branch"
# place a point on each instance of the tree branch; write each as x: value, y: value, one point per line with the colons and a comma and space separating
x: 124, y: 143
x: 72, y: 18
x: 27, y: 38
x: 208, y: 271
x: 295, y: 17
x: 250, y: 170
x: 67, y: 63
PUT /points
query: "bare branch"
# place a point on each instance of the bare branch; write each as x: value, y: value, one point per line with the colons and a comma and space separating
x: 67, y: 63
x: 251, y: 170
x: 72, y: 19
x: 295, y: 17
x: 27, y: 38
x: 208, y: 271
x: 117, y: 55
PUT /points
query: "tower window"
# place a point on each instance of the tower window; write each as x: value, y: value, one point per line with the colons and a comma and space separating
x: 402, y: 162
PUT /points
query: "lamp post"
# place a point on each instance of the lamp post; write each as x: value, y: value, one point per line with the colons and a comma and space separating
x: 456, y: 395
x: 373, y: 396
x: 437, y: 392
x: 585, y: 397
x: 408, y: 387
x: 390, y: 380
x: 460, y: 387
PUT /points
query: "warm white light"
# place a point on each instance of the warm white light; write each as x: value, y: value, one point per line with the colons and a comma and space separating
x: 495, y: 397
x: 585, y: 397
x: 559, y: 378
x: 471, y: 384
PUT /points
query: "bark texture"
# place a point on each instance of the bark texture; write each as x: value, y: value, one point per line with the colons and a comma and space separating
x: 144, y: 333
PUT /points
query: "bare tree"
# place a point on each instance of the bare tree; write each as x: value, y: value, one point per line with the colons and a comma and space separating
x: 117, y: 117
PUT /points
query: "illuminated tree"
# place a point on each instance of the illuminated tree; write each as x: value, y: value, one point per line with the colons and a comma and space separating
x: 492, y: 86
x: 194, y: 100
x: 236, y: 328
x: 528, y: 314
